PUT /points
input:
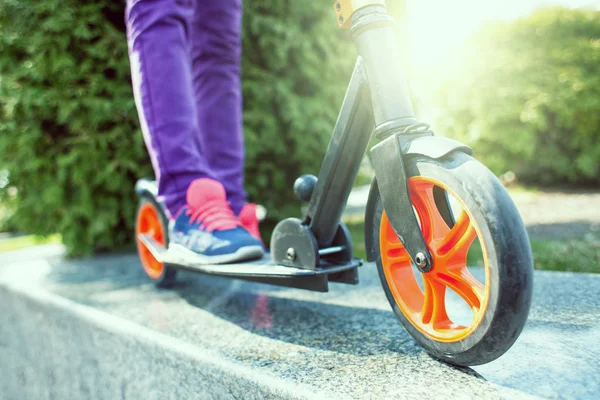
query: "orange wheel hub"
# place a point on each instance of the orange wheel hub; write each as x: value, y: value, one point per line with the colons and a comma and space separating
x: 426, y: 308
x: 149, y: 223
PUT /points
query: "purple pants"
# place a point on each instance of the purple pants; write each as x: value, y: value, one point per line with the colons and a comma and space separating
x: 185, y: 65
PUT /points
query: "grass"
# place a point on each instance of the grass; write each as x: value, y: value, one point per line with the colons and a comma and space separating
x: 21, y: 242
x: 357, y: 230
x: 568, y: 255
x: 574, y: 255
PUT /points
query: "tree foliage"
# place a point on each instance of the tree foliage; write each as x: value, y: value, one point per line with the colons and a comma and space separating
x: 296, y: 65
x: 69, y: 133
x: 528, y: 97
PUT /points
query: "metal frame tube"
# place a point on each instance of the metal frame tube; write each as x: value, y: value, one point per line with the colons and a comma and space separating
x: 377, y: 96
x: 373, y: 33
x: 346, y: 149
x: 376, y: 42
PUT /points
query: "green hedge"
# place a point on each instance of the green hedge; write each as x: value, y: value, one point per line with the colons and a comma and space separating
x: 69, y: 133
x: 527, y: 97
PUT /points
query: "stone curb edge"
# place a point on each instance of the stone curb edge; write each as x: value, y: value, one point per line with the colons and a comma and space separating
x: 118, y: 326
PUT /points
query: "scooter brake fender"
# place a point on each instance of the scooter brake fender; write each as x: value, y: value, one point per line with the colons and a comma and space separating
x: 431, y: 146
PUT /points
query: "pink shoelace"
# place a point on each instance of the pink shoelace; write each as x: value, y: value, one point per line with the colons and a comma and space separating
x: 214, y: 215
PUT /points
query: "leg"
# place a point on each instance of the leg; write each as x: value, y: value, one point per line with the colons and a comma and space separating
x: 158, y: 36
x: 216, y: 59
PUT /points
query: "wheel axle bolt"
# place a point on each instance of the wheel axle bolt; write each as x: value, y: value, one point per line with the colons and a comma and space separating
x: 291, y: 254
x: 420, y: 260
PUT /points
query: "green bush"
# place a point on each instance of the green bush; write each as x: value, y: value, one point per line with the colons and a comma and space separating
x: 296, y: 65
x: 69, y: 133
x: 528, y: 97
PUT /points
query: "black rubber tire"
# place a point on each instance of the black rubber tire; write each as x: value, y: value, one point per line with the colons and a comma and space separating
x: 509, y: 259
x: 169, y: 275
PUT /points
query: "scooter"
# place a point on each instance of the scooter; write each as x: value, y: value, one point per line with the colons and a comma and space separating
x: 428, y: 203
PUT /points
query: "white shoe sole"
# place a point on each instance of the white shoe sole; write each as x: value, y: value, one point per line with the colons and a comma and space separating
x: 182, y: 255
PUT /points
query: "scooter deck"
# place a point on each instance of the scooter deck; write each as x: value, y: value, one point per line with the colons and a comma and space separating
x: 263, y: 270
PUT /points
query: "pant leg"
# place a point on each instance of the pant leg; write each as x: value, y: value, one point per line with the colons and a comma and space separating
x: 159, y: 47
x: 216, y: 67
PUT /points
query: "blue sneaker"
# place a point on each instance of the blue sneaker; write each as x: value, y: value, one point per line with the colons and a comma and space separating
x: 206, y: 231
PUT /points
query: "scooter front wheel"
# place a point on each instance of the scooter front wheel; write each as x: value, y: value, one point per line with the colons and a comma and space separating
x: 151, y: 221
x: 459, y: 314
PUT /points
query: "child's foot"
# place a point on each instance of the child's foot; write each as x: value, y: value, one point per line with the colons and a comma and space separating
x: 249, y: 218
x: 207, y: 231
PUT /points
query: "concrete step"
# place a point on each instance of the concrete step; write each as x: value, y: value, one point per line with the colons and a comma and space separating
x: 97, y: 329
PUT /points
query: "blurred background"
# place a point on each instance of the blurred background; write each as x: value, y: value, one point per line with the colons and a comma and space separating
x: 518, y: 80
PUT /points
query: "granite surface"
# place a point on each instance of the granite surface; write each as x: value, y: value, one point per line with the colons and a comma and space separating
x: 100, y: 320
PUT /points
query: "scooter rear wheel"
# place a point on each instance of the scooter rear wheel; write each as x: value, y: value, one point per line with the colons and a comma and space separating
x: 455, y: 316
x: 151, y: 220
